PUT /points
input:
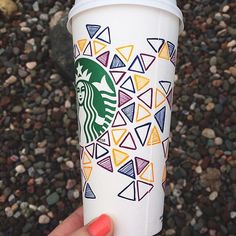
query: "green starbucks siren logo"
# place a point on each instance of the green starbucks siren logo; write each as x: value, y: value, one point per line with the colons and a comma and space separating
x: 96, y: 99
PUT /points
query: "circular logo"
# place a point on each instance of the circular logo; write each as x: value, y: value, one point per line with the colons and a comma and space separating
x: 96, y: 99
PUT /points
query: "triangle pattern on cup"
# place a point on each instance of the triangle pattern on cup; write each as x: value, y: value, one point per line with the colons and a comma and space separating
x: 128, y: 142
x: 118, y: 134
x: 81, y: 151
x: 117, y: 76
x: 140, y: 164
x: 142, y: 113
x: 148, y: 173
x: 88, y: 50
x: 165, y: 146
x: 171, y: 47
x: 105, y: 139
x: 128, y: 85
x: 86, y: 159
x: 140, y: 81
x: 154, y: 137
x: 89, y: 192
x: 164, y: 52
x: 119, y: 157
x: 159, y: 98
x: 126, y: 52
x: 104, y: 58
x: 105, y: 36
x: 129, y: 112
x: 82, y: 44
x: 87, y: 171
x: 143, y: 189
x: 146, y: 97
x: 117, y: 62
x: 160, y: 118
x: 118, y: 120
x: 170, y: 98
x: 166, y: 85
x: 156, y: 43
x: 128, y: 192
x: 147, y: 60
x: 76, y: 51
x: 98, y: 46
x: 100, y: 151
x: 174, y: 58
x: 90, y: 149
x: 106, y: 164
x: 92, y: 29
x: 136, y: 66
x: 142, y: 132
x: 128, y: 169
x: 123, y: 98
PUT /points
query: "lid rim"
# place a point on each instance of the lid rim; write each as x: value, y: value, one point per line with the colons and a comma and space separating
x: 166, y: 6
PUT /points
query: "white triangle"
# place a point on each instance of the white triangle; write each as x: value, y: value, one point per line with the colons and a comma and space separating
x: 159, y: 98
x: 129, y: 192
x: 143, y: 132
x: 143, y: 189
x: 105, y: 36
x: 105, y: 139
x: 147, y: 60
x: 142, y: 113
x: 101, y: 151
x: 136, y: 66
x: 119, y: 121
x: 90, y: 149
x: 147, y: 98
x: 128, y: 142
x: 156, y: 43
x: 117, y: 76
x: 128, y: 85
x: 165, y: 147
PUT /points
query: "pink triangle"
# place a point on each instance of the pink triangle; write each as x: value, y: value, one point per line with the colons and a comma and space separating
x: 123, y: 98
x: 117, y: 76
x: 119, y: 120
x: 128, y: 142
x: 104, y: 58
x: 106, y: 164
x: 147, y: 60
x: 105, y: 139
x: 140, y: 164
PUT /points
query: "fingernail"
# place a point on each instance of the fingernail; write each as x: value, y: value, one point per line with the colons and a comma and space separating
x: 100, y: 227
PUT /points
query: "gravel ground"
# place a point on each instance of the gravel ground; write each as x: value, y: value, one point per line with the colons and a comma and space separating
x: 39, y: 177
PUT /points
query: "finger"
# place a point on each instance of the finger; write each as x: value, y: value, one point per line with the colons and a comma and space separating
x: 70, y: 224
x: 102, y: 226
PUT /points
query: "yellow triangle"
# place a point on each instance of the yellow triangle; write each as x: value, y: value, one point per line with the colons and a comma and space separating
x: 81, y: 44
x: 126, y: 52
x: 142, y: 113
x: 160, y: 98
x: 119, y: 157
x: 154, y: 137
x: 86, y: 160
x: 148, y: 173
x: 87, y: 172
x: 164, y: 175
x: 118, y: 134
x: 140, y: 81
x: 98, y: 46
x: 164, y: 52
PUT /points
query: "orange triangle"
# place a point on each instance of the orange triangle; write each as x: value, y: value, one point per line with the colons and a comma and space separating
x: 87, y: 172
x: 86, y: 160
x: 98, y: 46
x: 142, y: 113
x: 164, y: 175
x: 118, y: 134
x: 148, y: 173
x: 119, y: 157
x: 154, y: 137
x: 159, y: 98
x: 82, y: 44
x: 140, y: 81
x: 126, y: 52
x: 164, y: 52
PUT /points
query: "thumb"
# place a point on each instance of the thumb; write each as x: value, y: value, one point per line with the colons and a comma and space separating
x: 101, y: 226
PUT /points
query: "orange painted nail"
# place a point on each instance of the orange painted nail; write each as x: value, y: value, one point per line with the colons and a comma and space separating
x: 100, y: 227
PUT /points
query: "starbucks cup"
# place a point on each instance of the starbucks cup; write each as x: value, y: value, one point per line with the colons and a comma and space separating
x: 125, y: 57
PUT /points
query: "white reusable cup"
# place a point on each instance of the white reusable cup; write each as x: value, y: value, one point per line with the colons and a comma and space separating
x: 125, y: 57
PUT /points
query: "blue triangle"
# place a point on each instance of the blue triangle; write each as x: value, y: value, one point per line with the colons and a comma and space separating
x: 136, y: 66
x: 92, y: 30
x: 126, y: 194
x: 160, y: 118
x: 171, y: 47
x: 124, y: 85
x: 89, y: 192
x: 140, y: 130
x: 128, y: 169
x: 129, y: 112
x: 165, y: 85
x: 117, y: 63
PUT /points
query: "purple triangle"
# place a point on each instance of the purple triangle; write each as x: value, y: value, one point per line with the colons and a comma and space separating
x: 171, y: 47
x: 106, y: 164
x: 174, y: 58
x: 170, y: 98
x: 123, y: 98
x: 140, y: 164
x: 104, y: 58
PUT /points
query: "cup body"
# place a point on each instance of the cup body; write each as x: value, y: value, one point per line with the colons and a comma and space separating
x: 125, y: 59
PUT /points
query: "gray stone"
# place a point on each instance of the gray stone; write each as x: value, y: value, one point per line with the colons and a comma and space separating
x: 53, y: 198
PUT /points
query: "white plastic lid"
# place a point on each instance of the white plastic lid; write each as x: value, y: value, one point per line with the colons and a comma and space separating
x: 166, y: 5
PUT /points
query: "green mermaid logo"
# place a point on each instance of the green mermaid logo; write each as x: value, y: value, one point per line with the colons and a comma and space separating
x: 96, y: 99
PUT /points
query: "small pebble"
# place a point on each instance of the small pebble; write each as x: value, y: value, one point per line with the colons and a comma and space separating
x: 31, y: 65
x: 233, y: 214
x: 35, y: 6
x: 225, y: 8
x: 208, y: 133
x: 213, y: 196
x: 20, y: 169
x: 218, y: 141
x: 70, y: 164
x: 198, y: 169
x: 11, y: 80
x: 231, y: 44
x: 9, y: 212
x: 44, y: 219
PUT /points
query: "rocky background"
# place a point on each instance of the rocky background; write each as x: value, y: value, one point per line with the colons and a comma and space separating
x: 39, y: 174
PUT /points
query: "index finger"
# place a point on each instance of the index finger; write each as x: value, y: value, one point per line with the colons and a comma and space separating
x: 70, y: 224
